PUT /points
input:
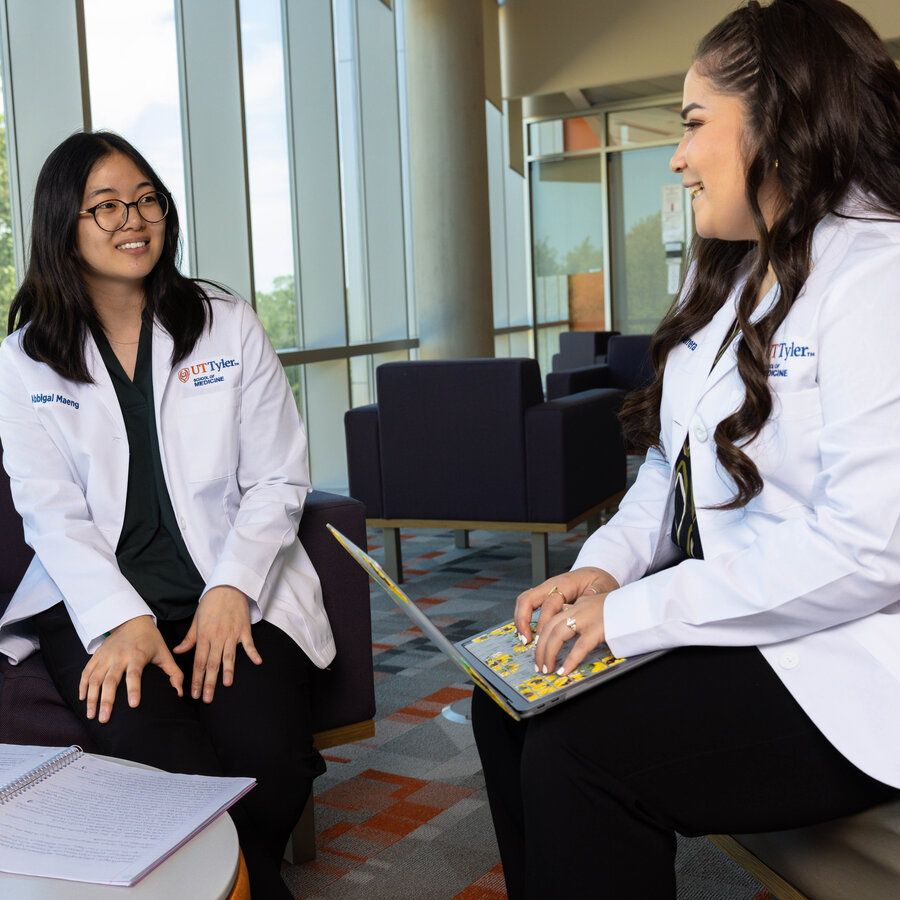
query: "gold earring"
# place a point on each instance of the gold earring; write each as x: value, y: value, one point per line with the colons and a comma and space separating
x: 776, y: 163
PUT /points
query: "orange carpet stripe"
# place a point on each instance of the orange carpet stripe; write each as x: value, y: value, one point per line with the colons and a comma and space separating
x: 416, y: 811
x: 449, y: 695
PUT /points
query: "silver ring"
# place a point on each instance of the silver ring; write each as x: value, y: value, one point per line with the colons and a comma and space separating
x: 570, y: 623
x: 592, y: 589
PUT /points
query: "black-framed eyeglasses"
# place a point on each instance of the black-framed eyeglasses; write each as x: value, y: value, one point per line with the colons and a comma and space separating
x: 111, y: 215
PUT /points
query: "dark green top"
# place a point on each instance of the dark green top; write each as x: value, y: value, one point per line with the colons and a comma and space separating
x: 151, y: 553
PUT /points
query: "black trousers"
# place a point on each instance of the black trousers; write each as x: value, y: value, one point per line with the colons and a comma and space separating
x: 702, y: 740
x: 260, y: 727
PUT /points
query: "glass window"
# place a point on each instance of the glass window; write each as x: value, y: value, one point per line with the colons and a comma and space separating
x: 7, y: 258
x: 262, y: 49
x: 295, y: 380
x: 144, y: 109
x: 547, y: 344
x: 650, y: 227
x: 566, y: 135
x: 582, y: 133
x: 567, y: 228
x: 645, y: 126
x: 545, y: 138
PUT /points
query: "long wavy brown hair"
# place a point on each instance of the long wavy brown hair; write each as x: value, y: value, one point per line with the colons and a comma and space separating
x: 821, y: 96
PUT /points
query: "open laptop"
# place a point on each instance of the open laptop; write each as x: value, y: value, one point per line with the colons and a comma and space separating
x: 496, y: 661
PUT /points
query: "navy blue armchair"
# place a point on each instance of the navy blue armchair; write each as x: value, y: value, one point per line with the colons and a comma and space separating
x: 627, y: 368
x: 581, y: 348
x: 471, y: 444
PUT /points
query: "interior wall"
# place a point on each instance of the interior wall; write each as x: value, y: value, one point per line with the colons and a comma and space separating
x: 553, y: 46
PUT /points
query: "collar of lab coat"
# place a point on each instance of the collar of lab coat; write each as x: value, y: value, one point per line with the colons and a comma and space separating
x: 162, y: 365
x: 161, y: 344
x: 825, y: 232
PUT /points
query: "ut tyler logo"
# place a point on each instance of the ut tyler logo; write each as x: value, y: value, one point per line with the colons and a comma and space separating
x: 183, y: 375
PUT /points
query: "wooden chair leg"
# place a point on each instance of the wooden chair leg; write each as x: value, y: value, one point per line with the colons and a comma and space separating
x: 393, y: 555
x: 540, y: 557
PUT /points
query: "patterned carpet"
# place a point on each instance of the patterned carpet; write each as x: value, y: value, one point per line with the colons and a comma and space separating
x: 404, y: 815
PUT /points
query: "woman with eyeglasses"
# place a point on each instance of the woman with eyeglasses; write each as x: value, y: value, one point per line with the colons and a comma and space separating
x: 760, y: 543
x: 159, y: 464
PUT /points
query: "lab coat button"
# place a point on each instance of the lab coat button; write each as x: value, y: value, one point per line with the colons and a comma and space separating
x: 181, y: 523
x: 699, y: 431
x: 789, y: 660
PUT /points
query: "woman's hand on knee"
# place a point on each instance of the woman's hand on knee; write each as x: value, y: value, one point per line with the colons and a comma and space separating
x: 222, y: 621
x: 126, y: 650
x: 553, y: 594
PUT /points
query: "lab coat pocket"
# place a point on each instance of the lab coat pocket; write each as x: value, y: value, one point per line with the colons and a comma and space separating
x: 209, y: 435
x: 794, y: 405
x: 787, y: 452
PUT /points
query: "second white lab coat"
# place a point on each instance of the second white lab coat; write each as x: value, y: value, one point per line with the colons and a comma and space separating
x: 809, y: 570
x: 234, y: 457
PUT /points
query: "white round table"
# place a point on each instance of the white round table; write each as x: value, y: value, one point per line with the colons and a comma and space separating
x: 205, y: 868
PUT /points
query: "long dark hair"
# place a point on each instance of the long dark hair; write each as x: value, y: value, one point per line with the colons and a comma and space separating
x: 53, y: 300
x: 821, y: 97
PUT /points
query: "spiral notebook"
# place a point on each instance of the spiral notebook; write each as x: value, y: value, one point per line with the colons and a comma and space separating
x: 68, y: 814
x: 497, y: 662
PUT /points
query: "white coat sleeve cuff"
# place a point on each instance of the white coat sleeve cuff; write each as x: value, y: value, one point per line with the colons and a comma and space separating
x: 627, y: 623
x: 620, y: 561
x: 92, y: 626
x: 244, y: 579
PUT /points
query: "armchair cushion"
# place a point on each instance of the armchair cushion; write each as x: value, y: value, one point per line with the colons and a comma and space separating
x: 572, y: 381
x: 856, y: 856
x: 32, y: 711
x: 574, y: 451
x: 628, y: 358
x: 16, y: 553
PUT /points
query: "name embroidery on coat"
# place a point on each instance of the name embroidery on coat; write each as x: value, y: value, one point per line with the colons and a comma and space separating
x: 39, y: 399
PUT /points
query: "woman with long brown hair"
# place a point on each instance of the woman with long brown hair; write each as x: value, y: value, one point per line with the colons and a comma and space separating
x: 760, y: 543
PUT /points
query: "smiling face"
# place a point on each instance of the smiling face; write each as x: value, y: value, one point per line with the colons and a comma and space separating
x: 711, y: 161
x: 113, y: 261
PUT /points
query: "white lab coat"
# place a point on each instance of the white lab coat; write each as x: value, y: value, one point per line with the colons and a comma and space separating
x: 235, y: 461
x: 809, y: 570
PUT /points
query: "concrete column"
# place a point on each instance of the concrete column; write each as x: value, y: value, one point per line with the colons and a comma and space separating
x: 449, y: 178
